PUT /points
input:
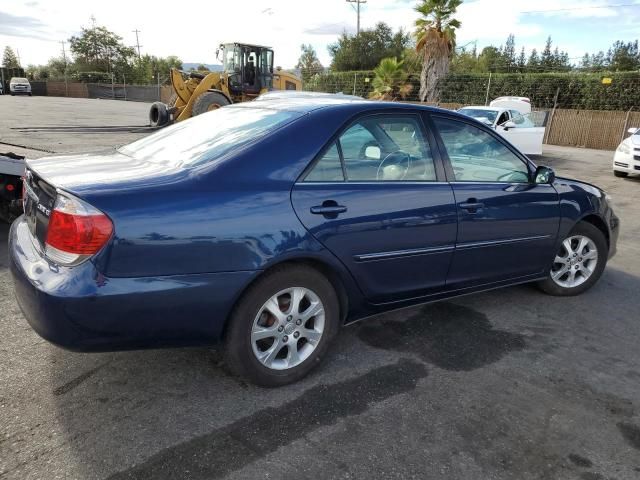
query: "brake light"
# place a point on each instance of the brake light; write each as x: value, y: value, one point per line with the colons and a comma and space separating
x: 76, y: 231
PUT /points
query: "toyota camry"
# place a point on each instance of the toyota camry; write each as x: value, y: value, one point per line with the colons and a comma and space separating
x: 266, y: 226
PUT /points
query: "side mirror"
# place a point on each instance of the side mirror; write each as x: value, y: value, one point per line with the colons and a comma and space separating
x: 633, y: 131
x: 373, y: 152
x: 545, y: 175
x: 508, y: 125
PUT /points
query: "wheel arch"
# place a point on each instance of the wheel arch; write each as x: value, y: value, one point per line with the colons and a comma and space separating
x: 599, y: 223
x: 322, y: 266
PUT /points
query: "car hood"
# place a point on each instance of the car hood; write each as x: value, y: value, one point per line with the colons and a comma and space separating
x: 634, y: 140
x: 105, y: 171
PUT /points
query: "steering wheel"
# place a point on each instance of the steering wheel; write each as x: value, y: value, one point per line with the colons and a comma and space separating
x: 396, y: 164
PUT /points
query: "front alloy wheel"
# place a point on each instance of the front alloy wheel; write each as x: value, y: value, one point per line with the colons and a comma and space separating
x: 576, y: 262
x: 579, y: 262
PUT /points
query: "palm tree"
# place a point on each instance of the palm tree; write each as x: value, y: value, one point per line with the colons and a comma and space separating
x: 390, y: 81
x: 435, y: 40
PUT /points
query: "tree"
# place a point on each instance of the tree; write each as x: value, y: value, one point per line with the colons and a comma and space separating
x: 509, y: 54
x: 435, y: 40
x: 546, y: 59
x: 534, y: 60
x: 390, y: 81
x: 99, y: 50
x: 9, y: 58
x: 624, y: 56
x: 522, y: 60
x: 491, y: 59
x: 308, y: 62
x: 365, y: 51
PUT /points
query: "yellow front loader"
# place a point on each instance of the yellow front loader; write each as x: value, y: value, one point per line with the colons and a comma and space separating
x: 247, y: 72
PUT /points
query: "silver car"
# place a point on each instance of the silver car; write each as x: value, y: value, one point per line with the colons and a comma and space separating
x: 19, y: 86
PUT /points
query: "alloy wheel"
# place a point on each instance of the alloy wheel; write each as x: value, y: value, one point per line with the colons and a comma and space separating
x: 288, y: 328
x: 575, y: 262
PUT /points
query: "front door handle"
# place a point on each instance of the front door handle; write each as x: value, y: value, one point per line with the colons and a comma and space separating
x: 329, y: 208
x: 471, y: 205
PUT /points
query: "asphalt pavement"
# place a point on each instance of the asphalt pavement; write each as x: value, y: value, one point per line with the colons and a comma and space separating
x: 510, y: 384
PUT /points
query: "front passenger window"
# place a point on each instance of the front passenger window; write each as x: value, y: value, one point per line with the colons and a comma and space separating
x: 477, y: 156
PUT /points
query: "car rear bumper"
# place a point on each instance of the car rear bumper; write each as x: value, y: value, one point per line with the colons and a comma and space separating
x: 80, y: 309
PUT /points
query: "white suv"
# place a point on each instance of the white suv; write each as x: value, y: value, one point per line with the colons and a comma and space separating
x: 626, y: 160
x: 19, y: 85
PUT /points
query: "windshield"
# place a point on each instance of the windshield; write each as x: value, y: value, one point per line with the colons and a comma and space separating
x: 480, y: 113
x: 19, y: 80
x: 210, y: 136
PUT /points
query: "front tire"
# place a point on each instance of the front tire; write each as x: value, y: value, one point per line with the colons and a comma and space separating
x: 282, y: 326
x: 207, y: 102
x: 620, y: 174
x: 579, y: 262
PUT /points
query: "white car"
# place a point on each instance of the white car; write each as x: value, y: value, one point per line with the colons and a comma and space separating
x: 626, y: 160
x: 19, y: 85
x: 511, y: 117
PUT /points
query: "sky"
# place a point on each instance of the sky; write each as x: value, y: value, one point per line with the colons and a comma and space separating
x: 35, y: 28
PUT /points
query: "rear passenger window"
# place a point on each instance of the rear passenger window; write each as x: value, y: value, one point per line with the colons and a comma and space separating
x: 387, y: 148
x: 328, y: 168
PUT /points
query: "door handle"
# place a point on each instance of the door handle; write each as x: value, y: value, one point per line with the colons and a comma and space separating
x: 329, y: 209
x: 471, y: 205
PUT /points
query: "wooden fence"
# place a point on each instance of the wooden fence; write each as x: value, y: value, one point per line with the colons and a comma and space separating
x: 598, y: 129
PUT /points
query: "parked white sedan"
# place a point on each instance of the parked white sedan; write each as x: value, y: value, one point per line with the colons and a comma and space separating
x: 626, y: 160
x: 513, y: 125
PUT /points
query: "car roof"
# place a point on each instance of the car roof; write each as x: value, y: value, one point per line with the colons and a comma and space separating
x: 305, y: 103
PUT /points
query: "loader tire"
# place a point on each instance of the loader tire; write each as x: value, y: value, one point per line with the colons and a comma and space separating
x: 158, y: 114
x: 208, y: 101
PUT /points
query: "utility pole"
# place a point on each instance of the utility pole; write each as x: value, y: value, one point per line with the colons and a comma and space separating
x: 357, y: 9
x: 18, y: 55
x: 64, y: 57
x: 136, y: 31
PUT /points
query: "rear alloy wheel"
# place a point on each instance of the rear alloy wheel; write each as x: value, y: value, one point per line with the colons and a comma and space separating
x: 578, y: 263
x: 282, y: 326
x: 207, y: 102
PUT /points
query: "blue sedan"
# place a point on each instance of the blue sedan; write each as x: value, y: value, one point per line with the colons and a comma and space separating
x: 268, y: 225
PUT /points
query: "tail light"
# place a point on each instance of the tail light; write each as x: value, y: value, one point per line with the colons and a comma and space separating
x: 76, y: 231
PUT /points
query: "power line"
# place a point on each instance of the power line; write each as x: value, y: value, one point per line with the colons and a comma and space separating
x: 584, y: 8
x: 357, y: 9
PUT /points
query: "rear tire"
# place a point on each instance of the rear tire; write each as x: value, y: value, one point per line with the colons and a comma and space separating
x: 158, y: 114
x: 207, y: 102
x: 588, y: 252
x: 295, y: 338
x: 620, y: 174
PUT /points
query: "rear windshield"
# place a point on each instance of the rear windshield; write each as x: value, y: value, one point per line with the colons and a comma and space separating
x: 210, y: 136
x: 19, y: 80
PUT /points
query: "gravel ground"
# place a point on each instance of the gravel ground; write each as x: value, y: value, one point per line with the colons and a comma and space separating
x: 510, y: 384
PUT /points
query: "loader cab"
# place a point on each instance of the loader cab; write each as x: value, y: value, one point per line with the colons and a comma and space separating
x: 249, y: 68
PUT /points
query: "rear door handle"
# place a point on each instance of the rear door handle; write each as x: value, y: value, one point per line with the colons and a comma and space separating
x: 471, y: 206
x: 328, y: 210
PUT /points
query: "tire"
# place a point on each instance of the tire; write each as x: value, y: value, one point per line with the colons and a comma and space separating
x: 158, y: 114
x: 562, y: 285
x: 620, y: 174
x: 250, y: 314
x: 208, y: 101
